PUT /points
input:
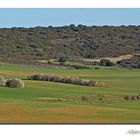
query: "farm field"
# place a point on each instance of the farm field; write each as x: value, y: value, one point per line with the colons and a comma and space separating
x: 23, y: 105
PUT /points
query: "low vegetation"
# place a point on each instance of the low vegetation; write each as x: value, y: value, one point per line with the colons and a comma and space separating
x: 132, y: 98
x: 78, y: 66
x: 106, y: 62
x: 69, y: 80
x: 12, y: 83
x: 85, y: 98
x: 15, y: 83
x: 133, y: 62
x: 63, y: 59
x: 71, y: 64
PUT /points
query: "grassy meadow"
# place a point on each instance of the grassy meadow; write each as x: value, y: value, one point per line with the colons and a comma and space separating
x: 21, y: 105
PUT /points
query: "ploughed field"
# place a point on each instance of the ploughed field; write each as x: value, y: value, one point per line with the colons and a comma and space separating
x: 37, y: 101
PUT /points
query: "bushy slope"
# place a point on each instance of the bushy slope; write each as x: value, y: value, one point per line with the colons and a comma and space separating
x: 28, y: 44
x: 133, y: 62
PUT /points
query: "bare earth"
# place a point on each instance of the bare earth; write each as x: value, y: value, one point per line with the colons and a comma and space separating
x: 113, y: 59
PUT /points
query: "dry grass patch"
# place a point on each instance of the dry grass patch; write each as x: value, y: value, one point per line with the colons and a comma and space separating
x: 2, y: 81
x: 50, y: 99
x: 13, y: 73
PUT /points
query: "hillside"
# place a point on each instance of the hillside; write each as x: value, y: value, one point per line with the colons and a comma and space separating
x: 25, y: 45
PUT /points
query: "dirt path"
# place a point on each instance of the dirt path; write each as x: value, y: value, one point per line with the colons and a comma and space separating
x: 113, y: 59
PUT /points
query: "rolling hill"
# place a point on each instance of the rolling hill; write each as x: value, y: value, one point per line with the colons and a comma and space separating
x: 25, y: 45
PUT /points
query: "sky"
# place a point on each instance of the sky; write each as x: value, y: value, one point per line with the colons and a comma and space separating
x: 31, y: 17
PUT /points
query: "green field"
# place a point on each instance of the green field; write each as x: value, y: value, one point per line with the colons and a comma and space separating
x: 21, y: 106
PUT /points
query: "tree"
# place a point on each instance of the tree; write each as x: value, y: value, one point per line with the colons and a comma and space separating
x: 63, y: 59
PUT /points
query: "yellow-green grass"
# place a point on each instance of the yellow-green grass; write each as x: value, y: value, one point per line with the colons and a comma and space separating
x: 21, y: 106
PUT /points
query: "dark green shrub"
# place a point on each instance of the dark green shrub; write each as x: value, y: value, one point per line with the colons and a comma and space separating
x: 84, y: 98
x: 138, y: 97
x: 81, y: 67
x: 62, y: 63
x: 63, y: 59
x: 106, y: 62
x: 100, y: 99
x: 126, y: 97
x: 97, y: 68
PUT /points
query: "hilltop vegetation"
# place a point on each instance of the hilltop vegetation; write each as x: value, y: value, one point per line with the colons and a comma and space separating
x: 25, y: 45
x: 133, y: 62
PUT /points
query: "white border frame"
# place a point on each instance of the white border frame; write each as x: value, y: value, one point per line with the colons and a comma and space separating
x: 69, y: 132
x: 69, y: 3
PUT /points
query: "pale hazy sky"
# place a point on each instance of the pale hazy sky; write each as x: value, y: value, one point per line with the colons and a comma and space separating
x: 65, y: 16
